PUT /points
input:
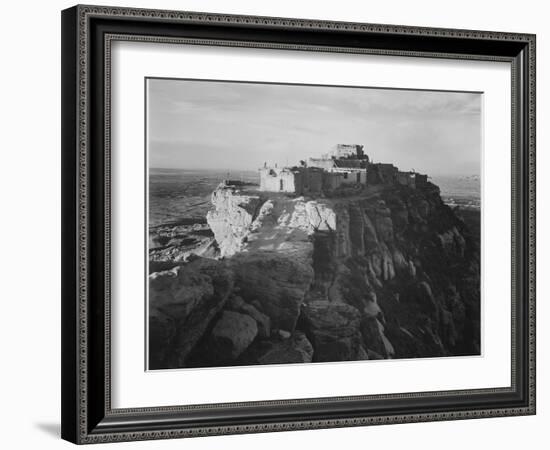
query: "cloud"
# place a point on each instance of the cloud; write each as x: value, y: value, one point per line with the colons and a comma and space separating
x: 199, y: 124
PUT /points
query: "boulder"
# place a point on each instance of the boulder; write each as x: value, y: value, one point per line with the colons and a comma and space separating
x: 189, y: 296
x: 295, y: 349
x: 333, y: 329
x: 263, y: 322
x: 231, y: 335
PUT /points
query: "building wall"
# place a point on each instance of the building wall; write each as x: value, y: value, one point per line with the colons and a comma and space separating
x: 345, y: 150
x: 338, y: 177
x: 312, y: 181
x: 297, y: 180
x: 381, y: 174
x: 406, y: 179
x: 349, y: 150
x: 352, y: 176
x: 420, y: 180
x: 277, y: 180
x: 331, y: 181
x: 322, y: 163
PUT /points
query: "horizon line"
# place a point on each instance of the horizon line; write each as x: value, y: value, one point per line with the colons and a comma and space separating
x: 210, y: 169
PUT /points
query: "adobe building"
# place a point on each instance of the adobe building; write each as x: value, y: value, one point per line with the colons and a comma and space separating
x: 420, y: 179
x: 347, y: 165
x: 382, y: 173
x: 335, y: 179
x: 406, y: 179
x: 353, y: 151
x: 296, y: 180
x: 343, y: 152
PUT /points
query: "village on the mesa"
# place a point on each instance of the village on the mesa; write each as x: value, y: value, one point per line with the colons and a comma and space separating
x: 347, y: 165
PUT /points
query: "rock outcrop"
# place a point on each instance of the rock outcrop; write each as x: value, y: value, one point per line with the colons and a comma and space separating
x: 174, y: 243
x: 231, y: 335
x: 232, y: 217
x: 334, y: 331
x: 182, y: 303
x: 294, y: 348
x: 274, y: 284
x: 385, y: 272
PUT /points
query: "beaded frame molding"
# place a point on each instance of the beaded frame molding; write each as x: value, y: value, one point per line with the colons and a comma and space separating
x: 87, y: 35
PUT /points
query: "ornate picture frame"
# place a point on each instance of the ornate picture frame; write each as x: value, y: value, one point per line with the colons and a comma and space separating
x: 88, y: 33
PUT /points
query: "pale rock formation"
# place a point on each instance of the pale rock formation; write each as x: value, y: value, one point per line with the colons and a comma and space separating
x: 232, y: 217
x: 246, y: 222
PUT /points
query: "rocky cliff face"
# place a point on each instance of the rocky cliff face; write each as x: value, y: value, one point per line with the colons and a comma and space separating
x: 388, y: 272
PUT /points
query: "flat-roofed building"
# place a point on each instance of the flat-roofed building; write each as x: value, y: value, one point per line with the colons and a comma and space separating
x: 296, y: 180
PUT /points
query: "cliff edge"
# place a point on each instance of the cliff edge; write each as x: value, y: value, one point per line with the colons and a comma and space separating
x: 381, y: 272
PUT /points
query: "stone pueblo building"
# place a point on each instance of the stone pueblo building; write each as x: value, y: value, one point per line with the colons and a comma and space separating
x: 347, y: 165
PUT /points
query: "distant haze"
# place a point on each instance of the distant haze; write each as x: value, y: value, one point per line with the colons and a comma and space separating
x: 240, y: 126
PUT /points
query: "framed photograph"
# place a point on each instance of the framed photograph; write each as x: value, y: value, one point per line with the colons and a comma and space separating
x: 278, y: 224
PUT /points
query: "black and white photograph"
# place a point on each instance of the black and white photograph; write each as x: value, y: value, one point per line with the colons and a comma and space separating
x: 275, y: 220
x: 292, y: 223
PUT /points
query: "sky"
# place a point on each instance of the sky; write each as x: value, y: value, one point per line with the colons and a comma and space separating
x: 193, y: 124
